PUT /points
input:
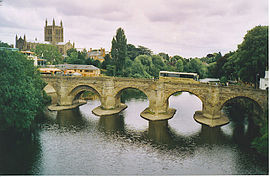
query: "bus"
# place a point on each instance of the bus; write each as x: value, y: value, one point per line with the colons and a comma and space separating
x: 188, y: 77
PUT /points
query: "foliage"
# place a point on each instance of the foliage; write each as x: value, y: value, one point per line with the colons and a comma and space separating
x: 132, y: 51
x: 165, y: 56
x: 21, y: 91
x: 179, y: 65
x: 144, y: 50
x: 119, y: 50
x: 90, y: 61
x: 252, y: 54
x: 3, y: 44
x: 76, y: 57
x: 49, y: 52
x: 195, y: 65
x: 69, y: 51
x: 107, y: 61
x: 210, y: 58
x: 230, y: 68
x: 261, y: 143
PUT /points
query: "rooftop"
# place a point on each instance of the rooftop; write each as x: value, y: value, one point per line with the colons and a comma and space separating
x: 73, y: 66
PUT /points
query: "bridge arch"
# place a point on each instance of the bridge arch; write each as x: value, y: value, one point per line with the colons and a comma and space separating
x: 118, y: 91
x: 256, y: 102
x: 169, y: 94
x: 76, y: 91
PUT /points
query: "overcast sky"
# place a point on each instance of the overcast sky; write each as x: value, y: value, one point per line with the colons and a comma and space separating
x: 189, y: 28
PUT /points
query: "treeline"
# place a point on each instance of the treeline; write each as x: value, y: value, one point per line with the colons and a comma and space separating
x: 247, y: 63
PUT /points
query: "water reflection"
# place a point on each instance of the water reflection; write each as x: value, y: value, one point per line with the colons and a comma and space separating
x: 159, y: 132
x: 211, y: 135
x: 75, y: 142
x: 111, y: 123
x: 19, y: 156
x: 70, y: 118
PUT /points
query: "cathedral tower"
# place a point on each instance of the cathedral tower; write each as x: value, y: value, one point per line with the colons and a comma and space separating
x: 53, y: 34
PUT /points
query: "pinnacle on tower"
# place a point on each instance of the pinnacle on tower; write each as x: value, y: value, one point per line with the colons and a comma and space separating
x: 46, y: 22
x: 61, y: 23
x: 53, y: 22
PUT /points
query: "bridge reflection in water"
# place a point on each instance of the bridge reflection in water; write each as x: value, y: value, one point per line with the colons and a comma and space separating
x: 159, y: 132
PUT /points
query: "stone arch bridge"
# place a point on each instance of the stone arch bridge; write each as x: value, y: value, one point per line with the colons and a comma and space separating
x: 68, y: 90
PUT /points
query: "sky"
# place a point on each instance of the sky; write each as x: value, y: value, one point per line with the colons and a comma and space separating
x: 189, y: 28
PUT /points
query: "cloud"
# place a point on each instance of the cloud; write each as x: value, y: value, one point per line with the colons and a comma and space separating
x: 187, y: 28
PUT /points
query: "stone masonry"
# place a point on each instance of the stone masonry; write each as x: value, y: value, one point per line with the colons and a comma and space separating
x: 69, y: 89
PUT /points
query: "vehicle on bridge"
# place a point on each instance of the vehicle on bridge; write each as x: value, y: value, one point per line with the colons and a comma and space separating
x: 183, y: 76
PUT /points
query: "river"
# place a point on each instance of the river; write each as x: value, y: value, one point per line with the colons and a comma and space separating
x: 76, y: 142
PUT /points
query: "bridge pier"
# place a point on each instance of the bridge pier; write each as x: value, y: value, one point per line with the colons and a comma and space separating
x: 109, y: 105
x: 211, y: 116
x: 158, y: 107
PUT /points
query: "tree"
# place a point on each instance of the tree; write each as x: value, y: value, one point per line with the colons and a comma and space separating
x: 138, y: 70
x: 21, y: 90
x: 179, y: 65
x: 174, y: 59
x: 195, y: 65
x: 107, y: 61
x: 165, y: 57
x: 252, y: 54
x: 144, y: 51
x: 49, y: 52
x: 119, y: 50
x: 132, y: 51
x: 72, y: 58
x: 69, y: 51
x: 3, y: 44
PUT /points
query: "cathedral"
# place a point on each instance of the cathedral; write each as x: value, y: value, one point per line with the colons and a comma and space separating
x: 53, y: 34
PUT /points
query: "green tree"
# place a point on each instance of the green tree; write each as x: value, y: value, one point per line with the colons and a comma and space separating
x: 138, y: 70
x: 252, y: 54
x: 49, y: 52
x: 72, y: 58
x: 144, y: 50
x: 132, y: 51
x: 3, y: 44
x: 195, y: 65
x: 165, y: 57
x: 119, y: 50
x: 179, y: 65
x: 69, y: 51
x: 174, y: 59
x: 21, y: 90
x: 107, y: 61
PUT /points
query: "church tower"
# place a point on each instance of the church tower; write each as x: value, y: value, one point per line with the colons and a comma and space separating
x: 53, y: 34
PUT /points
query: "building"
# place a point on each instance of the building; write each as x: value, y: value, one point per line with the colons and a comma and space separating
x: 53, y: 34
x: 32, y: 56
x: 84, y: 70
x: 97, y: 54
x: 50, y: 71
x: 264, y: 83
x: 23, y: 45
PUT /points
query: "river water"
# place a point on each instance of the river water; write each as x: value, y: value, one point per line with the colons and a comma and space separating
x: 76, y: 142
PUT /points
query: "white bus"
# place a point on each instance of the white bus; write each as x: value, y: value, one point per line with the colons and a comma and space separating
x: 181, y: 75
